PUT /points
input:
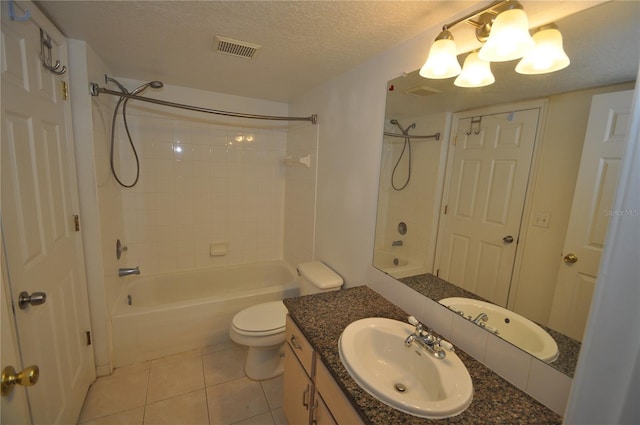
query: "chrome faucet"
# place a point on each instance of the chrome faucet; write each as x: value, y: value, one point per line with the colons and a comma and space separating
x: 425, y: 340
x: 482, y: 317
x: 129, y: 271
x: 396, y: 243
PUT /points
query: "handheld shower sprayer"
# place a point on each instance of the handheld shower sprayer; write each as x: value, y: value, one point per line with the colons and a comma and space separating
x: 407, y: 143
x: 152, y: 84
x: 123, y: 101
x: 404, y: 131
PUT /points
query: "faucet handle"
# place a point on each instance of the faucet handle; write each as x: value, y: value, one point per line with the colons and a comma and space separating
x: 412, y: 320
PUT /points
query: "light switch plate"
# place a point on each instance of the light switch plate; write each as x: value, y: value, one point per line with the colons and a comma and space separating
x: 541, y: 219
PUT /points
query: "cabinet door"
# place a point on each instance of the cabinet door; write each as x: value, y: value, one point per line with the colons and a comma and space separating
x: 297, y: 390
x: 321, y: 414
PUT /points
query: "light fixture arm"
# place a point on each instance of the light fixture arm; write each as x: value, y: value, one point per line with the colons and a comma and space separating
x: 485, y: 15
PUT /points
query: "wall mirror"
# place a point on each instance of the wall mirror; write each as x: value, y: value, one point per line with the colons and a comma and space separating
x: 418, y: 226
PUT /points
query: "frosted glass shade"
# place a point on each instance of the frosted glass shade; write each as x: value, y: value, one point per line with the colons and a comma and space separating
x: 547, y: 56
x: 475, y: 72
x: 442, y: 61
x: 509, y: 38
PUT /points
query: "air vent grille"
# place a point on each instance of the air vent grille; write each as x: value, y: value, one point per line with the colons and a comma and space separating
x: 232, y: 47
x: 423, y: 91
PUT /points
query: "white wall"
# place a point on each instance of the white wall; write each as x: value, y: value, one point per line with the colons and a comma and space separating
x: 100, y: 214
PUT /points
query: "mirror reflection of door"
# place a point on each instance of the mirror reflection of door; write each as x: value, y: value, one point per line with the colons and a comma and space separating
x: 488, y: 180
x: 604, y: 146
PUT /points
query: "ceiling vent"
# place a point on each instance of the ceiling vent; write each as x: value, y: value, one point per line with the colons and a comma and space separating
x: 232, y: 47
x: 423, y: 91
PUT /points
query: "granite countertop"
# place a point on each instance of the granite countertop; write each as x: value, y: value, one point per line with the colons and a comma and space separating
x: 323, y: 317
x: 435, y: 288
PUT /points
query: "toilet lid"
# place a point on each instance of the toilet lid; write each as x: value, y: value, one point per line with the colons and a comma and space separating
x: 267, y: 318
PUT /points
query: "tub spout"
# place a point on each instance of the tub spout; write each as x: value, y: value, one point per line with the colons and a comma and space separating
x: 129, y: 271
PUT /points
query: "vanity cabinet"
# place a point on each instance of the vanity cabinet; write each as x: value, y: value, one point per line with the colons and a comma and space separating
x: 311, y: 395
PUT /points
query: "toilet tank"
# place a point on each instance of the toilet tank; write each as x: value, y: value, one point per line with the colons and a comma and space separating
x: 316, y: 277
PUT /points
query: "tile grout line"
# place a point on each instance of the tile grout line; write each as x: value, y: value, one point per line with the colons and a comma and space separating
x: 204, y: 380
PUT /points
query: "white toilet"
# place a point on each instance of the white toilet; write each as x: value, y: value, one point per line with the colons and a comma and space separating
x: 261, y: 327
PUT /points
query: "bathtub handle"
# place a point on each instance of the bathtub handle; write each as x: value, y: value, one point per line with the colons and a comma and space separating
x: 295, y: 344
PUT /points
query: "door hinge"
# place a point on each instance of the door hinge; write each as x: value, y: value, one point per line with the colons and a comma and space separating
x: 446, y: 208
x: 455, y: 139
x: 76, y: 222
x: 438, y: 273
x: 65, y: 90
x: 88, y: 333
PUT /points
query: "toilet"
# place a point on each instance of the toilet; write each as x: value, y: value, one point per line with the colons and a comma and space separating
x: 262, y: 327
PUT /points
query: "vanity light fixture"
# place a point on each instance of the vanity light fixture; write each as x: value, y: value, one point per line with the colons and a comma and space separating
x: 548, y: 54
x: 475, y: 72
x: 504, y: 29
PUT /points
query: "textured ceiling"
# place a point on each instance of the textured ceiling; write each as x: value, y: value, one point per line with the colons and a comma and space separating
x: 304, y: 43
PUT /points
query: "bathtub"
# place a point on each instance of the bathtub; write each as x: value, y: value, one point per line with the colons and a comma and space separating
x: 397, y: 265
x: 163, y: 314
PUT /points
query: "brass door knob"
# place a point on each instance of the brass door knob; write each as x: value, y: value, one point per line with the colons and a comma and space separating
x: 27, y: 377
x: 570, y: 258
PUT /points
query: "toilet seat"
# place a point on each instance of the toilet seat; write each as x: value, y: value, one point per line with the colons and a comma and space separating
x: 261, y: 320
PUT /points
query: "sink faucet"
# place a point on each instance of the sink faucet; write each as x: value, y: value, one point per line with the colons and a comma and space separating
x: 425, y: 340
x: 482, y: 317
x: 129, y: 271
x: 396, y: 243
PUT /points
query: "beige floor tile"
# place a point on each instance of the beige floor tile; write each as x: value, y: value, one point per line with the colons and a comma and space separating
x: 278, y: 416
x: 263, y: 419
x: 224, y: 366
x: 114, y: 394
x: 177, y: 357
x: 273, y: 390
x: 175, y: 375
x: 221, y: 346
x: 186, y: 409
x: 128, y: 417
x: 235, y: 401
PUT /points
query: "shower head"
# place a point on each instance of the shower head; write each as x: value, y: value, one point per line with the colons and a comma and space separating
x: 152, y: 84
x: 404, y: 131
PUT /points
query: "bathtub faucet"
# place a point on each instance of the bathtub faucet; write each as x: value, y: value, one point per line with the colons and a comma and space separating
x: 129, y: 271
x: 396, y: 243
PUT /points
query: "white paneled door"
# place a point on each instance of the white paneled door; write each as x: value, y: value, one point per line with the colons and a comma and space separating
x: 41, y: 247
x: 604, y: 145
x: 488, y: 179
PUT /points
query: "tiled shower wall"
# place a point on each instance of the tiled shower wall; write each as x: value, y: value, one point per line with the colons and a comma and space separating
x: 202, y: 183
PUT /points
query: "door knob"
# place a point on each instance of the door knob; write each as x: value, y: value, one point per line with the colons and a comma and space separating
x: 507, y: 239
x: 570, y: 258
x: 37, y: 298
x: 27, y: 377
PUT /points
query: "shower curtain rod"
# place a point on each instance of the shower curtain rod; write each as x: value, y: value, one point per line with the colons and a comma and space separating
x: 95, y: 90
x: 404, y: 136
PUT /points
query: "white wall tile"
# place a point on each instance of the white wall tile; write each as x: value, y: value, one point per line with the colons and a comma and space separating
x: 508, y: 361
x: 549, y: 386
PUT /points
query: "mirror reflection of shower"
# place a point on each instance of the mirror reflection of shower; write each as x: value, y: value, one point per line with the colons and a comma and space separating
x: 406, y: 146
x: 123, y: 101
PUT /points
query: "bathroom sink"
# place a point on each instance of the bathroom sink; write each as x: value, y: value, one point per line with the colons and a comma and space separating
x: 511, y: 327
x: 404, y: 377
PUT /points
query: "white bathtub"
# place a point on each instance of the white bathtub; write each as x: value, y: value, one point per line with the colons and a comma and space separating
x: 173, y: 312
x: 397, y: 265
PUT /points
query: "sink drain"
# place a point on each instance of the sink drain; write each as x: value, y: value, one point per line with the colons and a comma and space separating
x: 400, y: 388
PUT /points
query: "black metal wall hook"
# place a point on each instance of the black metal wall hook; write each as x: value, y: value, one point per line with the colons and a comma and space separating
x: 47, y: 61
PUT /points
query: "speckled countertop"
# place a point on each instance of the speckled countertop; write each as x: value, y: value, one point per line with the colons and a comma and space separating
x: 435, y: 288
x: 323, y: 317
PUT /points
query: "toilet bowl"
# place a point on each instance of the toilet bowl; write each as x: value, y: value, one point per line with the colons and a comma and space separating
x: 262, y: 327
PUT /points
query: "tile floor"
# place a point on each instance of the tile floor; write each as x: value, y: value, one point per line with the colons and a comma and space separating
x: 197, y: 387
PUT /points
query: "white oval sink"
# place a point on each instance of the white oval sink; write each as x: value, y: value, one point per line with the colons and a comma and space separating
x: 406, y: 378
x: 512, y: 327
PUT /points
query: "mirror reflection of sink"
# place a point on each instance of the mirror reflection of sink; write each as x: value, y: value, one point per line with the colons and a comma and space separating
x: 404, y: 377
x: 517, y: 330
